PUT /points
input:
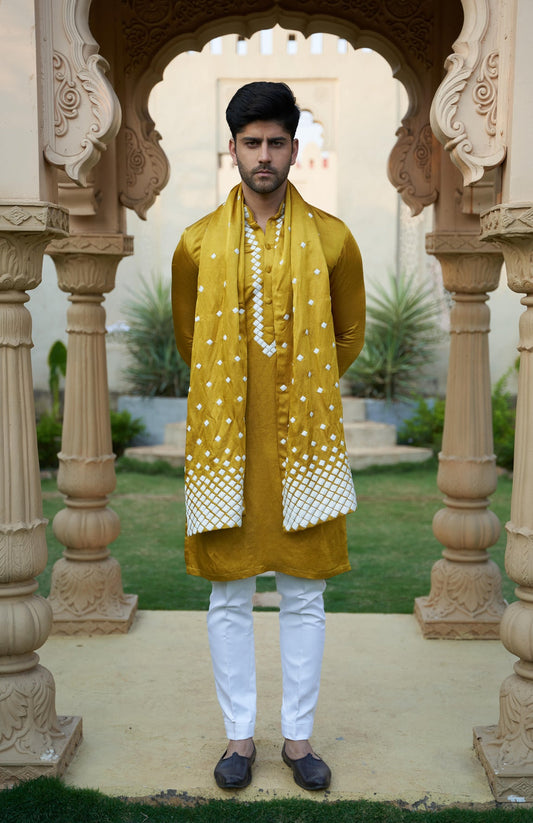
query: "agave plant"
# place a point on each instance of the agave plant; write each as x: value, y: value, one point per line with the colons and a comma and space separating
x: 155, y: 368
x: 401, y: 334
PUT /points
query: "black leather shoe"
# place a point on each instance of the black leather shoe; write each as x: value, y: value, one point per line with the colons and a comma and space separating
x: 308, y: 772
x: 234, y: 772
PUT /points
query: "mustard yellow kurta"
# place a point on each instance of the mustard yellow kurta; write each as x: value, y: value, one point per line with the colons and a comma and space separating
x: 261, y: 544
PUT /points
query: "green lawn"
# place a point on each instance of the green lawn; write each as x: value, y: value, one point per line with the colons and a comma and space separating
x: 49, y: 801
x: 391, y: 543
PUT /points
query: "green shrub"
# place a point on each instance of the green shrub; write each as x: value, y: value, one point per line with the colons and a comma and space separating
x: 124, y: 428
x: 57, y: 366
x: 400, y: 339
x: 156, y: 368
x: 48, y: 441
x: 503, y: 423
x: 426, y: 425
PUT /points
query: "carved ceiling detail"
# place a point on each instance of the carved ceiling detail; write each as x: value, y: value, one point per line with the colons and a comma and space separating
x: 468, y: 115
x: 149, y: 26
x: 82, y: 111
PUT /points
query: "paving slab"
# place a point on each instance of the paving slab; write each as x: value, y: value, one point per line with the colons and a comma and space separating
x: 394, y: 721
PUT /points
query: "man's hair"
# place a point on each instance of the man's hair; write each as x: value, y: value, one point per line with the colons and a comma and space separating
x: 263, y: 101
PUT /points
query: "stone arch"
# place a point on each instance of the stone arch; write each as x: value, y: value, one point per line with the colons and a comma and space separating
x: 144, y: 169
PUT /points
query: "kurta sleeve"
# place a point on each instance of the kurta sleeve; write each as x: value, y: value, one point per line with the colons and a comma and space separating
x: 184, y: 291
x: 348, y: 303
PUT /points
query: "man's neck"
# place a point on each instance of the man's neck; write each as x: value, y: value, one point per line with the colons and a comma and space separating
x: 264, y: 206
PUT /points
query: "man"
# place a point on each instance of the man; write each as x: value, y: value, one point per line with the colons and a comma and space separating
x: 268, y: 303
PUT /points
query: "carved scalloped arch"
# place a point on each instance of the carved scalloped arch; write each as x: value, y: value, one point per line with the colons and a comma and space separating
x: 147, y: 167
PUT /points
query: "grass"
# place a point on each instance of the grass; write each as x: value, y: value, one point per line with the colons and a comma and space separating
x: 49, y: 801
x: 390, y: 540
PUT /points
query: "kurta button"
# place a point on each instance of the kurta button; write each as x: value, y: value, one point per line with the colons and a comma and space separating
x: 268, y: 268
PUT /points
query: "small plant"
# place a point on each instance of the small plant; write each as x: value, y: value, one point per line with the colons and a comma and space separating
x: 124, y: 428
x: 425, y: 427
x: 57, y: 365
x: 48, y: 441
x: 503, y: 423
x: 400, y: 339
x: 156, y: 368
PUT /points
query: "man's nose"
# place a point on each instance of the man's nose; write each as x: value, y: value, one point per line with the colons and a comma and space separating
x: 264, y: 152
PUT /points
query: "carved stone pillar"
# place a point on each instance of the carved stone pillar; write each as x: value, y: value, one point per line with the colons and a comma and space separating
x: 506, y: 750
x: 465, y: 599
x: 33, y: 739
x: 86, y: 590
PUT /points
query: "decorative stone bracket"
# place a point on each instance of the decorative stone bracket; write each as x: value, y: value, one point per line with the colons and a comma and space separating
x: 469, y: 110
x: 81, y: 110
x: 410, y: 167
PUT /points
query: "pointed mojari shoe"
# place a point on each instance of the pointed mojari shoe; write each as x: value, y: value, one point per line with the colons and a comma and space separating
x: 309, y: 772
x: 234, y: 772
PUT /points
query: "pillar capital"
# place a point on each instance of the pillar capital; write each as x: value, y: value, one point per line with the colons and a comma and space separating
x: 87, y: 263
x: 468, y: 265
x: 25, y: 230
x: 510, y: 226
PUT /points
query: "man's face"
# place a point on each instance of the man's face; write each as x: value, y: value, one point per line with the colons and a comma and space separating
x: 264, y: 153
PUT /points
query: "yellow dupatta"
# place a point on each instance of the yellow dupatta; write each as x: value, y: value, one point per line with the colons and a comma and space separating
x: 316, y: 478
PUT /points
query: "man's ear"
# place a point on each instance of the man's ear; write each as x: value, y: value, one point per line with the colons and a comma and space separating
x: 232, y: 151
x: 294, y: 155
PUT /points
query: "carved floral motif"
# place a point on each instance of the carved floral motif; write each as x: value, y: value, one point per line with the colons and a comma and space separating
x: 515, y: 727
x: 485, y: 93
x: 147, y: 168
x: 88, y: 589
x: 409, y: 166
x: 28, y: 720
x: 470, y: 90
x: 467, y: 590
x: 85, y: 114
x: 67, y: 95
x: 149, y: 26
x: 511, y: 227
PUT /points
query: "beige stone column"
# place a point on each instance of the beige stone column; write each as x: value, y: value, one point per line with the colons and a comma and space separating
x: 86, y: 591
x: 506, y: 750
x: 33, y: 740
x: 465, y: 600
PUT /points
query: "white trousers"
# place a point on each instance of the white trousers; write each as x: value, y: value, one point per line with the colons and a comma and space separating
x: 231, y: 639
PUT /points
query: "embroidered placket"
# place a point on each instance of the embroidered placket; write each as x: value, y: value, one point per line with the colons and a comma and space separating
x: 257, y: 279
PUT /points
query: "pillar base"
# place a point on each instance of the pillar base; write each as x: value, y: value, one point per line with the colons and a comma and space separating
x: 52, y: 763
x: 69, y: 624
x: 87, y: 598
x: 454, y: 626
x: 510, y: 783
